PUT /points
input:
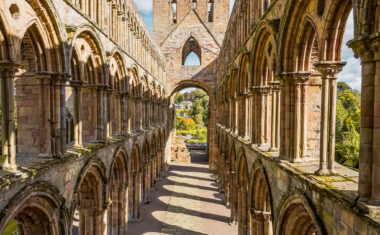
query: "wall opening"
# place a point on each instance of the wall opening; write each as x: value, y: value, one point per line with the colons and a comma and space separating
x: 191, y: 53
x: 191, y: 114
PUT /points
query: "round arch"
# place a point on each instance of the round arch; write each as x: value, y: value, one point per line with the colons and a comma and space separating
x: 118, y: 185
x: 260, y: 198
x: 242, y: 183
x: 90, y: 196
x: 212, y: 148
x: 40, y: 209
x: 296, y: 216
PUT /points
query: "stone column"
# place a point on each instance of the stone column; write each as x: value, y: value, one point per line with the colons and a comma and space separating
x: 294, y: 115
x: 275, y: 119
x: 101, y: 119
x: 263, y: 92
x: 329, y: 72
x: 108, y: 97
x: 8, y: 137
x: 139, y: 113
x: 58, y: 108
x: 63, y: 82
x: 77, y: 85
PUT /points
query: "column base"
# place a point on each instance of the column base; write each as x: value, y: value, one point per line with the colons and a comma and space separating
x: 273, y: 149
x: 325, y: 171
x: 146, y: 201
x: 9, y: 167
x: 135, y: 219
x: 233, y: 223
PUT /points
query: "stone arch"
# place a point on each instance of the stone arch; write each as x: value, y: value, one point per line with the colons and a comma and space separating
x: 296, y: 216
x: 134, y: 185
x: 90, y: 35
x: 38, y: 209
x: 87, y: 67
x: 119, y: 177
x: 260, y: 201
x: 263, y: 69
x: 118, y: 85
x: 191, y: 45
x: 135, y: 94
x: 90, y: 197
x: 291, y: 21
x: 145, y: 167
x: 212, y: 149
x: 233, y: 184
x: 308, y: 46
x: 333, y: 34
x: 40, y: 15
x: 244, y: 89
x: 242, y: 183
x: 5, y: 41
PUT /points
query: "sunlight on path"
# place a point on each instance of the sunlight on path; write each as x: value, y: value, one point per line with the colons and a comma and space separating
x: 187, y: 201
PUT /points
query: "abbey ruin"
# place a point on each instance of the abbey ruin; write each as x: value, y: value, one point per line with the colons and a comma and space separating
x: 87, y: 116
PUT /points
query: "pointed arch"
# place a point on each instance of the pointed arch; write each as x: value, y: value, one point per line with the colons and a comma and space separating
x: 191, y: 45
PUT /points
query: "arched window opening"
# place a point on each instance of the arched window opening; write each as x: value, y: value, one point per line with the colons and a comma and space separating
x: 191, y: 53
x: 194, y: 4
x: 211, y: 11
x: 192, y: 60
x: 174, y: 10
x: 265, y: 5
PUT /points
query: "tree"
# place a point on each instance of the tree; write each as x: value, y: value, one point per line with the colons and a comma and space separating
x: 196, y: 108
x: 342, y: 86
x: 347, y: 125
x: 178, y: 98
x: 198, y: 94
x: 188, y: 123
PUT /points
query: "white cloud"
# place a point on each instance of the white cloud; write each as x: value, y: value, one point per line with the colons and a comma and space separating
x: 351, y: 73
x: 144, y: 6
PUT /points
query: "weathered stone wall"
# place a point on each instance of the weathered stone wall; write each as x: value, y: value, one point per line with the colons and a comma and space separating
x: 277, y: 76
x: 91, y: 115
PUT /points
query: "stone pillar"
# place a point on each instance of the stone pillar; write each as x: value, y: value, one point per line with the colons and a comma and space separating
x: 275, y: 119
x: 8, y: 137
x: 139, y: 113
x: 63, y: 82
x: 263, y: 117
x: 101, y: 115
x: 78, y: 138
x: 294, y: 116
x: 329, y: 72
x: 369, y: 166
x: 107, y: 108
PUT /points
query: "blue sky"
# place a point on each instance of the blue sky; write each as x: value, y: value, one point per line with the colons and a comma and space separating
x: 350, y: 74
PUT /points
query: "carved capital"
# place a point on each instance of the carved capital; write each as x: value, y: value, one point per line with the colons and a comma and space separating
x: 275, y: 85
x: 330, y: 69
x: 8, y: 69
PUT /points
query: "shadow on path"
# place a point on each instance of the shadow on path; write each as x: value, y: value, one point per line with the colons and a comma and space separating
x: 213, y: 214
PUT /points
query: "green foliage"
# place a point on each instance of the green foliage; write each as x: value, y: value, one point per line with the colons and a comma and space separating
x: 178, y: 122
x: 184, y: 132
x: 198, y: 94
x: 347, y: 150
x: 347, y: 126
x: 11, y: 228
x: 178, y: 98
x: 201, y: 134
